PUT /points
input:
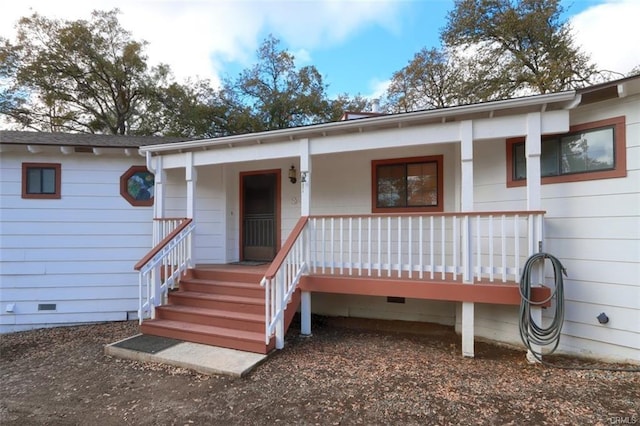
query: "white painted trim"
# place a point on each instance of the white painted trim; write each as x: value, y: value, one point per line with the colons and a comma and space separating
x: 191, y: 177
x: 533, y: 151
x: 305, y: 171
x: 396, y: 121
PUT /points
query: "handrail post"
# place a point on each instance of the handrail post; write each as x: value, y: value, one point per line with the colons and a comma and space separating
x: 155, y: 290
x: 280, y: 277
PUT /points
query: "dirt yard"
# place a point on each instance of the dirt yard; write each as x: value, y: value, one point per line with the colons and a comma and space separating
x: 342, y: 375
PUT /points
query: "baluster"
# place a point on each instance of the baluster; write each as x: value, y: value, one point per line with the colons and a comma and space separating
x: 454, y: 231
x: 410, y: 253
x: 369, y: 254
x: 333, y: 261
x: 341, y: 257
x: 350, y: 246
x: 420, y: 250
x: 431, y: 247
x: 504, y: 248
x: 389, y: 246
x: 516, y: 260
x: 379, y: 246
x: 360, y: 246
x: 479, y: 248
x: 491, y: 253
x: 443, y: 247
x: 399, y: 246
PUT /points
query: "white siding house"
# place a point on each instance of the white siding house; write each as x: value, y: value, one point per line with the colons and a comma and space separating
x: 67, y: 252
x: 450, y: 198
x: 572, y: 157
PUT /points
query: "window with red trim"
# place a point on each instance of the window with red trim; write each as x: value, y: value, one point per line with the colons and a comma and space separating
x: 589, y: 151
x: 407, y: 185
x: 41, y: 180
x: 136, y: 186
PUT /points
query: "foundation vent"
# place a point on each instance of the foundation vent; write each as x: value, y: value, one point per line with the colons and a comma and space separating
x: 46, y: 306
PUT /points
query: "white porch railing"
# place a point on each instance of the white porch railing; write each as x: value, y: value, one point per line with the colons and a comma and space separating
x: 281, y: 280
x: 162, y: 267
x: 459, y: 246
x: 467, y: 247
x: 163, y: 226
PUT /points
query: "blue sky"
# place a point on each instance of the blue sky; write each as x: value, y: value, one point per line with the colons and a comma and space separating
x: 355, y: 44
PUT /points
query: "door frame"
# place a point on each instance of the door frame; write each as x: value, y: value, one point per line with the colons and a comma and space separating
x: 278, y: 199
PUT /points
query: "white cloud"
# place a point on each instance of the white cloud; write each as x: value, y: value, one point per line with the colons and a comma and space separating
x: 378, y: 88
x: 609, y: 33
x: 302, y: 57
x: 196, y: 37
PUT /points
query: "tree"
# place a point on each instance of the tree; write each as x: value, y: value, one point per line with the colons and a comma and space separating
x: 89, y: 76
x: 525, y: 43
x: 279, y: 94
x: 344, y: 103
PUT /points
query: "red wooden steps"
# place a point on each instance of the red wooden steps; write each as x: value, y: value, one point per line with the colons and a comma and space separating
x: 215, y: 307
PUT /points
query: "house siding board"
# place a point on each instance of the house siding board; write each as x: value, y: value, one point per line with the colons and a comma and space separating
x: 592, y: 227
x: 78, y: 251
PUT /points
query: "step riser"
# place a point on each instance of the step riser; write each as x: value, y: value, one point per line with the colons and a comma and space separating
x: 242, y: 277
x: 177, y: 298
x: 207, y: 339
x: 230, y: 290
x: 195, y: 318
x: 205, y: 324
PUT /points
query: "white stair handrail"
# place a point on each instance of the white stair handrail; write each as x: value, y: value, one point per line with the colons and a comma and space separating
x: 282, y: 278
x: 161, y: 268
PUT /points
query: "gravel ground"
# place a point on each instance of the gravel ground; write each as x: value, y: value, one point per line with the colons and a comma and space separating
x: 344, y: 374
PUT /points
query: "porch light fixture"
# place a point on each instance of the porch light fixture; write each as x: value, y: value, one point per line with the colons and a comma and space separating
x: 293, y: 174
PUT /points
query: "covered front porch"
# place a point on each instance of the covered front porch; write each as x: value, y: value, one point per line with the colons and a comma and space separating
x: 330, y: 234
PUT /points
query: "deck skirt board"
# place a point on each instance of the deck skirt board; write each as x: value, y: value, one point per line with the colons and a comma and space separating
x: 496, y: 293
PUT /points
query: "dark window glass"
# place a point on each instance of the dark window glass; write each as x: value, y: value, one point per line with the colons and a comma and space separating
x: 41, y: 180
x: 583, y: 152
x: 407, y: 185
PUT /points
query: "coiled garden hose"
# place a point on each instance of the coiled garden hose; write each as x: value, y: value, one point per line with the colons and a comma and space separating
x: 532, y: 333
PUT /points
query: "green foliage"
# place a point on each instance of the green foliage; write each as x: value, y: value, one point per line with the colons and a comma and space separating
x: 76, y: 75
x: 526, y: 44
x: 279, y: 95
x: 493, y: 49
x: 91, y: 76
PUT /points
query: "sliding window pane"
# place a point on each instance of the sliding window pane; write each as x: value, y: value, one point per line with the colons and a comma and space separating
x: 588, y: 151
x: 34, y: 185
x: 391, y: 185
x: 48, y: 181
x: 549, y: 164
x: 422, y: 184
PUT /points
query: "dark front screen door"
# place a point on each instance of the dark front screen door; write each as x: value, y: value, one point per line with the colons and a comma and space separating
x: 259, y: 226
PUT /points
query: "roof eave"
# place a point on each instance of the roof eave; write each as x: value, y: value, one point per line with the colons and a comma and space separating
x: 563, y: 98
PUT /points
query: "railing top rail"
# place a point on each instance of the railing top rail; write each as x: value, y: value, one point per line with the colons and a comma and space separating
x: 169, y: 218
x: 282, y: 254
x: 446, y: 214
x: 162, y: 243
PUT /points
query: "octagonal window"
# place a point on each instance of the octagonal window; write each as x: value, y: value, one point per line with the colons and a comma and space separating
x: 136, y: 186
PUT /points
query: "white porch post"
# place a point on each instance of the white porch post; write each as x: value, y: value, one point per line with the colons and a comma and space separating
x: 305, y: 209
x: 191, y: 177
x: 533, y: 151
x: 158, y: 198
x: 305, y: 178
x: 466, y: 157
